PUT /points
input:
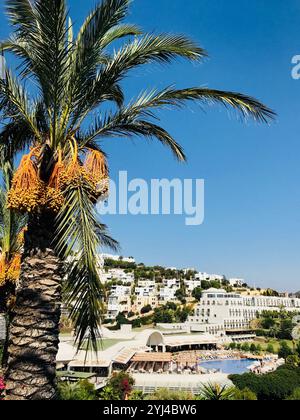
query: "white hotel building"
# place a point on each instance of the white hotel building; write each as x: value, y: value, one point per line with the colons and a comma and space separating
x: 118, y: 301
x: 235, y: 312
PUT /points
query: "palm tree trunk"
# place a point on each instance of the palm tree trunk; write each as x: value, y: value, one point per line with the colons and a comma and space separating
x: 34, y: 329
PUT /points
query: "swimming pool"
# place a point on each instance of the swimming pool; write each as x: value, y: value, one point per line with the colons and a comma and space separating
x: 230, y: 366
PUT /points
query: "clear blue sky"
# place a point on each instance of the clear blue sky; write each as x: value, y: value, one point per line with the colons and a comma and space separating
x: 252, y: 172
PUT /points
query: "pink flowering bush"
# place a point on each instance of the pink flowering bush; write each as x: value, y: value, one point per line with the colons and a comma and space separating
x: 2, y: 389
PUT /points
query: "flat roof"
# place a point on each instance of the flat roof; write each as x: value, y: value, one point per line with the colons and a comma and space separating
x: 186, y: 340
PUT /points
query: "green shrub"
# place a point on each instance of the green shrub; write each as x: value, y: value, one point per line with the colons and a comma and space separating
x: 167, y: 395
x: 82, y: 390
x: 245, y: 395
x: 118, y: 387
x: 293, y: 360
x: 136, y: 396
x: 285, y: 351
x: 245, y: 347
x: 295, y: 395
x: 146, y: 309
x: 277, y: 385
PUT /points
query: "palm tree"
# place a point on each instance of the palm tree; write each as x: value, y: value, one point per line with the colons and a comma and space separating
x: 59, y: 102
x: 216, y: 392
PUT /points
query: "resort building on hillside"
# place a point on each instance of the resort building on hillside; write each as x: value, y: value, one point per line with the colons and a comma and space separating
x: 116, y: 305
x: 237, y: 282
x: 118, y: 258
x: 146, y: 283
x: 171, y: 283
x: 167, y: 293
x: 118, y: 301
x: 209, y: 277
x: 141, y: 302
x: 146, y: 291
x: 145, y: 294
x: 117, y: 274
x: 234, y: 311
x: 191, y: 285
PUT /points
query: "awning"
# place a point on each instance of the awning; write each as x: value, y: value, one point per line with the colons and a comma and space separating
x: 125, y: 356
x: 152, y: 357
x: 90, y: 364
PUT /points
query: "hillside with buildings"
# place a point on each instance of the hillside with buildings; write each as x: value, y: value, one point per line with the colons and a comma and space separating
x: 134, y: 290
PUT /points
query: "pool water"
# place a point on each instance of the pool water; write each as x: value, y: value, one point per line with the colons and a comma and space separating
x: 229, y: 366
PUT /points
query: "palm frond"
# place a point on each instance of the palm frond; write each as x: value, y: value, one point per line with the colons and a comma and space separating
x: 101, y: 20
x: 14, y: 103
x: 79, y: 230
x: 134, y: 119
x: 21, y: 14
x: 216, y: 392
x: 118, y: 32
x: 247, y: 106
x: 101, y: 27
x: 144, y: 50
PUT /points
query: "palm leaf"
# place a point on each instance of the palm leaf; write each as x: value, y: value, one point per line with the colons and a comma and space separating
x: 133, y: 120
x: 21, y: 14
x: 14, y: 103
x: 78, y: 229
x: 118, y: 32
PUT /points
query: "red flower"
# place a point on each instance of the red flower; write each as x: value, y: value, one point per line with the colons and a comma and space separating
x: 2, y: 389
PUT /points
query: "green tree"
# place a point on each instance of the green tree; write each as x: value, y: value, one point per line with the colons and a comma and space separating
x: 183, y: 314
x: 295, y: 395
x: 244, y: 395
x: 284, y: 350
x: 253, y: 348
x: 64, y: 119
x: 270, y: 349
x: 180, y: 295
x: 171, y: 305
x: 277, y: 385
x: 258, y: 348
x: 122, y: 320
x: 298, y: 348
x: 197, y: 293
x: 285, y: 330
x: 267, y: 323
x: 293, y: 360
x: 146, y: 309
x: 163, y: 316
x: 245, y: 347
